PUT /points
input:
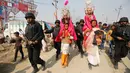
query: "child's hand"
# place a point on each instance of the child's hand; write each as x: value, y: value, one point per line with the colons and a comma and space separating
x: 78, y: 33
x: 119, y: 38
x: 44, y: 31
x: 99, y: 41
x: 30, y: 42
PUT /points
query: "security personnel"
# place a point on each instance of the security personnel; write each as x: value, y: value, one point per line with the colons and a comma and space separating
x: 79, y: 34
x: 121, y: 38
x: 33, y: 35
x: 55, y: 31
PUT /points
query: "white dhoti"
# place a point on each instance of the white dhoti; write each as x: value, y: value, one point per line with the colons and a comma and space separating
x: 93, y: 56
x: 65, y: 48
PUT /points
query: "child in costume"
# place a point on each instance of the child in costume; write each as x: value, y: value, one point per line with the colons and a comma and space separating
x: 66, y: 40
x: 66, y: 18
x: 87, y: 26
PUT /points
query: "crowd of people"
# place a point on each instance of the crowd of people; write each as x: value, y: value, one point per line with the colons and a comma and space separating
x: 88, y: 35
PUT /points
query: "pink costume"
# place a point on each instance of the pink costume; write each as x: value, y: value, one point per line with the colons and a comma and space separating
x: 87, y: 25
x: 70, y: 29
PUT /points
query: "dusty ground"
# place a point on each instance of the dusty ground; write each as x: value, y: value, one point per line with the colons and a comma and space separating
x: 6, y: 57
x: 76, y: 64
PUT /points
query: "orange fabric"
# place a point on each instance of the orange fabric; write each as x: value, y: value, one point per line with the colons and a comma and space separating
x: 66, y: 34
x: 64, y: 59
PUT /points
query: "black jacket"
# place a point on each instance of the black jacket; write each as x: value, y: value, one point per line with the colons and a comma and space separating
x: 123, y: 32
x: 55, y: 31
x: 78, y: 29
x: 34, y: 32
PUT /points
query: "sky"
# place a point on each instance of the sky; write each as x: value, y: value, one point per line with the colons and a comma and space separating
x: 105, y: 10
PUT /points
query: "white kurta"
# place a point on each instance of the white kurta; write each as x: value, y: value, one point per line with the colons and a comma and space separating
x: 92, y: 50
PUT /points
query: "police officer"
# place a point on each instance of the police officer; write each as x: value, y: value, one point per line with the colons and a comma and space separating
x: 34, y: 34
x: 121, y: 38
x: 55, y: 31
x: 79, y: 34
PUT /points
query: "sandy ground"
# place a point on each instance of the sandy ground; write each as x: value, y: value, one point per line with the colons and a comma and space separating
x: 76, y: 64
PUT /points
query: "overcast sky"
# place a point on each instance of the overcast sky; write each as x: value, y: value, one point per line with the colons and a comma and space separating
x: 104, y: 9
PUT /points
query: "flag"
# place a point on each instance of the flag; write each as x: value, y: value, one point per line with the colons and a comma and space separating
x: 66, y: 2
x: 3, y: 3
x: 23, y: 7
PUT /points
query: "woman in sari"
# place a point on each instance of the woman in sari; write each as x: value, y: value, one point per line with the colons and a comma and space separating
x: 92, y: 47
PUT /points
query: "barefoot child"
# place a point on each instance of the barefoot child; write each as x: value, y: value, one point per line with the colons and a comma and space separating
x: 18, y: 46
x: 65, y: 45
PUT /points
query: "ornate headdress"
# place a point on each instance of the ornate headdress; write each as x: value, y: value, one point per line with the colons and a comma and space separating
x: 65, y: 12
x: 89, y: 5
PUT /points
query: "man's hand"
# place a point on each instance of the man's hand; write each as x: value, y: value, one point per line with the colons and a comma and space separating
x: 35, y: 42
x: 30, y: 42
x: 52, y: 26
x: 119, y: 38
x: 44, y: 31
x: 78, y: 33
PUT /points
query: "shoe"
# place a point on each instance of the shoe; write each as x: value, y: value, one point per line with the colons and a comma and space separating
x: 116, y: 66
x: 56, y: 59
x: 90, y: 66
x: 35, y: 70
x: 57, y: 56
x: 43, y: 66
x: 110, y: 56
x: 120, y: 61
x: 14, y: 61
x: 81, y: 55
x: 63, y: 66
x: 22, y: 59
x: 98, y: 65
